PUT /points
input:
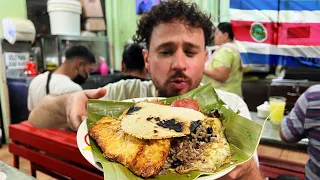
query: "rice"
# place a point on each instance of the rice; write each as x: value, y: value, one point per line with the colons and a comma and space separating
x: 186, y: 150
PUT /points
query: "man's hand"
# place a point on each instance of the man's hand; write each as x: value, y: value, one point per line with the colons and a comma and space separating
x: 247, y: 170
x: 76, y: 105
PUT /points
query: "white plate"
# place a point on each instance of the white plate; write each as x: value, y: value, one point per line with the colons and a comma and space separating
x: 84, y: 145
x: 85, y: 149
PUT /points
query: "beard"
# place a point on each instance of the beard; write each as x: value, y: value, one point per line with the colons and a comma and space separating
x: 165, y: 90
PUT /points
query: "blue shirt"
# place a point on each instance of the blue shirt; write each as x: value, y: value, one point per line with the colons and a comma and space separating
x: 144, y: 7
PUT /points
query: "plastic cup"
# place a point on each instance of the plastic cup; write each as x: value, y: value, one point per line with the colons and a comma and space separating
x: 277, y: 107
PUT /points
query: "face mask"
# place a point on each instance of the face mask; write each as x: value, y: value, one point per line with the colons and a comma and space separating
x: 79, y: 79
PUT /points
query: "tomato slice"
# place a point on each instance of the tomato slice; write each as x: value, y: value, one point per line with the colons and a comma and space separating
x: 186, y: 103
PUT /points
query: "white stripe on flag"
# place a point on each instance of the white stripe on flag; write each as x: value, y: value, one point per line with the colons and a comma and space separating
x: 299, y: 16
x: 254, y: 15
x: 272, y: 16
x: 285, y: 50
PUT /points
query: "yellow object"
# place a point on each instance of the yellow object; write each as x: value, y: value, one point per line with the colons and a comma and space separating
x: 277, y: 106
x: 88, y: 148
x: 51, y: 66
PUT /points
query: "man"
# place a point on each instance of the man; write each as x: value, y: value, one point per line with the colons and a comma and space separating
x: 304, y: 121
x: 176, y: 34
x: 67, y: 78
x: 133, y: 66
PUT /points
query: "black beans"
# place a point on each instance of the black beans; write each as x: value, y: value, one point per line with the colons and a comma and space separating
x: 176, y: 163
x: 209, y: 130
x: 214, y: 113
x: 194, y: 126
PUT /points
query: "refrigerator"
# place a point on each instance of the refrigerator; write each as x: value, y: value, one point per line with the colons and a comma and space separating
x: 53, y: 48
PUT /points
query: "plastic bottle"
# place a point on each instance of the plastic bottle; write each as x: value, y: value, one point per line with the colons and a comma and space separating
x: 104, y: 70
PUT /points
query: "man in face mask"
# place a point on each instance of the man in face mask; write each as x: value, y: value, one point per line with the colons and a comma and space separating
x: 67, y: 78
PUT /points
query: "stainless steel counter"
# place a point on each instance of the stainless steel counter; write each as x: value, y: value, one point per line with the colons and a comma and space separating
x: 271, y: 135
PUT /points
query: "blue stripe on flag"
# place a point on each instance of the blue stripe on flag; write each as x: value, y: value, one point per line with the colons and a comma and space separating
x: 299, y: 5
x: 294, y: 5
x: 254, y: 4
x: 272, y: 59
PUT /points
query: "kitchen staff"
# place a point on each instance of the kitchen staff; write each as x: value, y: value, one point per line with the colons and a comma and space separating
x: 224, y: 69
x: 67, y: 78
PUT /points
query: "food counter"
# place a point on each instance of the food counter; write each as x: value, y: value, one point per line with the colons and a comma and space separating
x: 271, y: 135
x: 277, y: 157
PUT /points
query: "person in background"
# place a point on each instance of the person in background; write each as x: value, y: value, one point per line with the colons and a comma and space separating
x: 144, y: 6
x: 67, y: 78
x: 176, y: 34
x: 304, y: 121
x: 133, y: 66
x: 224, y: 69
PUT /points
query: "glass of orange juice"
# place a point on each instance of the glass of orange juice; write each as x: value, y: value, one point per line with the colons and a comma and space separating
x: 277, y: 107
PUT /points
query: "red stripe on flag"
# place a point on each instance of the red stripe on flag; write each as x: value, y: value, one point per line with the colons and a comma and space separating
x: 306, y: 34
x: 241, y: 31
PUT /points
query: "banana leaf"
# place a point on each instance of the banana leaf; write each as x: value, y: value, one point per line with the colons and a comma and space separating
x: 242, y: 134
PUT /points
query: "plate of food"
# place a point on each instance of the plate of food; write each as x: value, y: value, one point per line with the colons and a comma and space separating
x: 193, y: 136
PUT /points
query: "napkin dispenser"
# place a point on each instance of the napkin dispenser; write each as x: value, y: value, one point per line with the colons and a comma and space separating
x: 18, y: 29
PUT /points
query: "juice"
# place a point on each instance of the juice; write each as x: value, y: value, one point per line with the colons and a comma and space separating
x: 277, y: 106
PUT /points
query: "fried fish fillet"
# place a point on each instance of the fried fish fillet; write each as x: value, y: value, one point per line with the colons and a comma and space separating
x: 143, y: 157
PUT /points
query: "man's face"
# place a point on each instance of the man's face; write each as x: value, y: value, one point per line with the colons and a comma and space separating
x: 87, y: 68
x: 84, y: 68
x: 175, y: 58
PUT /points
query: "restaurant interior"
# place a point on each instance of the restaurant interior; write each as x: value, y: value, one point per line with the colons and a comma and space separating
x: 35, y: 35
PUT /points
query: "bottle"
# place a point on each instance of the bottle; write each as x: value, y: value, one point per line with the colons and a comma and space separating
x: 104, y: 70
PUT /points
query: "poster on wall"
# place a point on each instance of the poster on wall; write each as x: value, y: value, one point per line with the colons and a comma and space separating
x: 143, y: 6
x: 16, y: 60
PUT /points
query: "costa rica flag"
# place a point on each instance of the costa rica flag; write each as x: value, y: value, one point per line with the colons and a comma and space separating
x: 285, y: 32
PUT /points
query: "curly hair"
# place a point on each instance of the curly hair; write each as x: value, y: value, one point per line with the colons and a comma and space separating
x: 165, y: 12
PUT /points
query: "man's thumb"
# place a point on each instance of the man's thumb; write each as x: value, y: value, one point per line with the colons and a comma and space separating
x: 95, y: 93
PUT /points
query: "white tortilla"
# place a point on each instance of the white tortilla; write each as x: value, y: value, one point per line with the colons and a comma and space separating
x: 147, y: 121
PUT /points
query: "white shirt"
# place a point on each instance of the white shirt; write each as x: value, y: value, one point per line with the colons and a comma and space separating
x: 59, y: 84
x: 135, y: 88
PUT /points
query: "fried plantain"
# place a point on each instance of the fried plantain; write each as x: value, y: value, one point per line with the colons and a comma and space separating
x: 143, y: 157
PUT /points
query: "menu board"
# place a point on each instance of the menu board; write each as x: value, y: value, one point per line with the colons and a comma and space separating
x: 16, y: 60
